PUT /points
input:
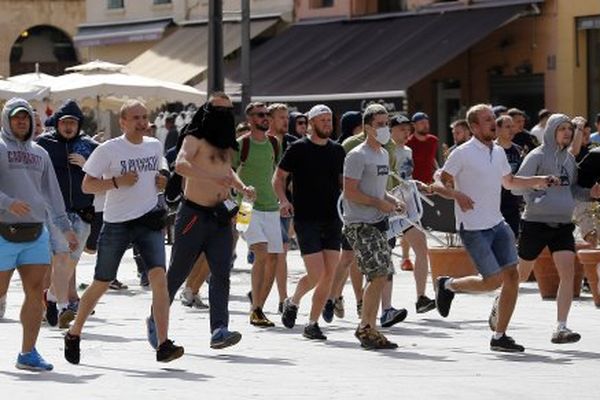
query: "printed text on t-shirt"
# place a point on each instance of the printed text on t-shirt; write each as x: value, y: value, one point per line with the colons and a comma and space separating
x: 139, y: 164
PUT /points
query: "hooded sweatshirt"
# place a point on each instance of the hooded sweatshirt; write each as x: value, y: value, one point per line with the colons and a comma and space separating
x: 26, y: 174
x: 553, y: 204
x: 70, y: 176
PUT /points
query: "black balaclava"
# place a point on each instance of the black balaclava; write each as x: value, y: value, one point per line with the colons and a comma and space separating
x: 216, y: 125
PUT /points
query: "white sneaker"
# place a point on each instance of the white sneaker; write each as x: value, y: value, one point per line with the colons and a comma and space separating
x: 2, y: 306
x: 186, y: 297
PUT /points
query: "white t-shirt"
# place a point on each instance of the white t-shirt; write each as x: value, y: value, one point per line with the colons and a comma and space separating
x: 478, y: 172
x: 118, y: 156
x: 404, y: 162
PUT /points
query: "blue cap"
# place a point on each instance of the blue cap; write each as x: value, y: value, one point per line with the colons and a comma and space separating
x: 419, y: 116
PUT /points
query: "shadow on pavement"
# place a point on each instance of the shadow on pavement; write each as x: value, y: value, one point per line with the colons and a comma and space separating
x: 239, y: 359
x: 163, y: 373
x: 52, y: 376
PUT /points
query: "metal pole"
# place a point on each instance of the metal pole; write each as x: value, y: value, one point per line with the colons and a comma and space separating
x: 215, y: 46
x: 246, y: 69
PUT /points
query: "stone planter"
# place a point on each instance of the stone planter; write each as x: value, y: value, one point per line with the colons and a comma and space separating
x: 590, y: 259
x: 450, y: 261
x: 547, y: 276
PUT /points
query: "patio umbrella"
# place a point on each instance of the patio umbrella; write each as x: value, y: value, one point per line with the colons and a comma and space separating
x: 109, y: 84
x: 10, y: 89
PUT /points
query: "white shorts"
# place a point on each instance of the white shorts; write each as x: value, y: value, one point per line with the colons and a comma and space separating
x: 265, y: 227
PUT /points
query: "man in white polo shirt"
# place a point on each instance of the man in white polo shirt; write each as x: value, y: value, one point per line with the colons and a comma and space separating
x: 473, y: 176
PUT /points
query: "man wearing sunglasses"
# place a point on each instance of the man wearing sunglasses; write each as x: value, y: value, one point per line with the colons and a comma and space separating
x: 255, y: 164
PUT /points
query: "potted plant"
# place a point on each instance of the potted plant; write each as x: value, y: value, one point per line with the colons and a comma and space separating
x: 590, y: 257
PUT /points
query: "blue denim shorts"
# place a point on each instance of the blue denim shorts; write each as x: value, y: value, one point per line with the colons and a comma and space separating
x: 13, y: 255
x: 491, y: 250
x: 59, y: 244
x: 114, y: 240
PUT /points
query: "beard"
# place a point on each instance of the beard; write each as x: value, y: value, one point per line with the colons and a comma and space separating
x: 263, y: 127
x: 323, y: 134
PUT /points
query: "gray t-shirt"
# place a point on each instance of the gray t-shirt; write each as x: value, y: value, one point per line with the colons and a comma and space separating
x: 404, y: 162
x: 371, y: 169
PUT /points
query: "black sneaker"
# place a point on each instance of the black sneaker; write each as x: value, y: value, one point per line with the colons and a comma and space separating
x: 328, y: 311
x: 51, y: 313
x: 506, y: 344
x: 280, y: 307
x: 424, y: 304
x: 443, y: 296
x: 168, y: 351
x: 72, y: 351
x: 392, y: 316
x: 290, y: 312
x: 312, y: 331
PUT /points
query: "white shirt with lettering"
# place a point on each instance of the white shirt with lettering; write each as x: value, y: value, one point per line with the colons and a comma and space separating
x: 478, y: 171
x: 118, y: 156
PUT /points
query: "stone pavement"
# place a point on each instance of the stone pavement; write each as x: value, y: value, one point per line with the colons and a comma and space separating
x: 437, y: 358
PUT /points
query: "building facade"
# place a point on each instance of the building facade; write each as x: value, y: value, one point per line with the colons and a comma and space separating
x: 39, y: 31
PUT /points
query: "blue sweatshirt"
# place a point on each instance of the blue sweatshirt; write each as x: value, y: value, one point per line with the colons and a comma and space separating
x: 70, y: 176
x: 554, y: 204
x: 26, y: 174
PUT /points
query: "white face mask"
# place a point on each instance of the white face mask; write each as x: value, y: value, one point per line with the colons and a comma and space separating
x: 383, y: 135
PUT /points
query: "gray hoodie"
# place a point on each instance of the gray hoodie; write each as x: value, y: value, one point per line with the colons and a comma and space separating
x: 26, y: 174
x: 554, y: 204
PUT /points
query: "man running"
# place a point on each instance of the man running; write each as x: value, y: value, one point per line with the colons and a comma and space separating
x: 314, y: 208
x: 473, y: 176
x: 28, y: 187
x: 127, y: 169
x: 203, y: 223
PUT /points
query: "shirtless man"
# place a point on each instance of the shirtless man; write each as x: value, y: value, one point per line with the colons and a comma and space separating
x: 203, y: 223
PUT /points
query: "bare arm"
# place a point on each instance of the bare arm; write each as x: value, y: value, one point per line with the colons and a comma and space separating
x: 93, y: 185
x: 279, y: 184
x: 446, y: 189
x: 511, y: 182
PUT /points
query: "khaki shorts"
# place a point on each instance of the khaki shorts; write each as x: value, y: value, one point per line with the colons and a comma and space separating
x: 371, y: 249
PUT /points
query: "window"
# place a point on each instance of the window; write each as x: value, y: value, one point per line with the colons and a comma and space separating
x: 321, y: 3
x: 115, y: 4
x: 391, y: 5
x: 162, y: 2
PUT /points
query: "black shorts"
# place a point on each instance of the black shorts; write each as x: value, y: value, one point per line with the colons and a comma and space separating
x: 345, y: 244
x: 534, y: 236
x: 316, y: 236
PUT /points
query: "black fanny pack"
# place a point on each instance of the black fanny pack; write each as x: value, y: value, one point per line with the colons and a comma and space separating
x: 382, y: 225
x: 22, y: 232
x: 155, y: 219
x: 86, y: 214
x: 222, y: 212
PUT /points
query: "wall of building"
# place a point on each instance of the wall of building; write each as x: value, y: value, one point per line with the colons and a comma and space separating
x: 180, y: 10
x: 570, y: 93
x: 20, y: 15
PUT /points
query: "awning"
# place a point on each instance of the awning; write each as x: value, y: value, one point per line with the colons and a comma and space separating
x: 121, y: 32
x: 182, y: 56
x: 349, y: 59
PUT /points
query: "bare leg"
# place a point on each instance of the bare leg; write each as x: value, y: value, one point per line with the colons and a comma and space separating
x: 198, y: 274
x: 258, y: 272
x: 565, y: 265
x: 525, y: 268
x: 87, y: 304
x: 418, y: 242
x: 356, y: 278
x: 61, y: 276
x: 32, y: 277
x: 508, y: 298
x: 281, y: 273
x: 269, y: 278
x: 5, y: 277
x: 386, y: 294
x: 341, y: 275
x: 371, y: 298
x: 160, y: 302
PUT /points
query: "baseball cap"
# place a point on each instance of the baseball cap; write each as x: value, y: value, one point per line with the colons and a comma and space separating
x: 399, y: 120
x: 419, y: 116
x: 18, y: 110
x: 317, y: 110
x: 76, y: 118
x: 171, y: 117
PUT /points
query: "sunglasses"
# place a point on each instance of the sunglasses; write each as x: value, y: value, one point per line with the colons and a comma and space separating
x: 301, y: 122
x: 260, y: 114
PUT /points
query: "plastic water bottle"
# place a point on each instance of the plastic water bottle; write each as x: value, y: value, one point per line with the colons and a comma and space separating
x: 244, y: 215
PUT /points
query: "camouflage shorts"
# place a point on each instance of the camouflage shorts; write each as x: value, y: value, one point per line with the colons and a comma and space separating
x: 371, y: 248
